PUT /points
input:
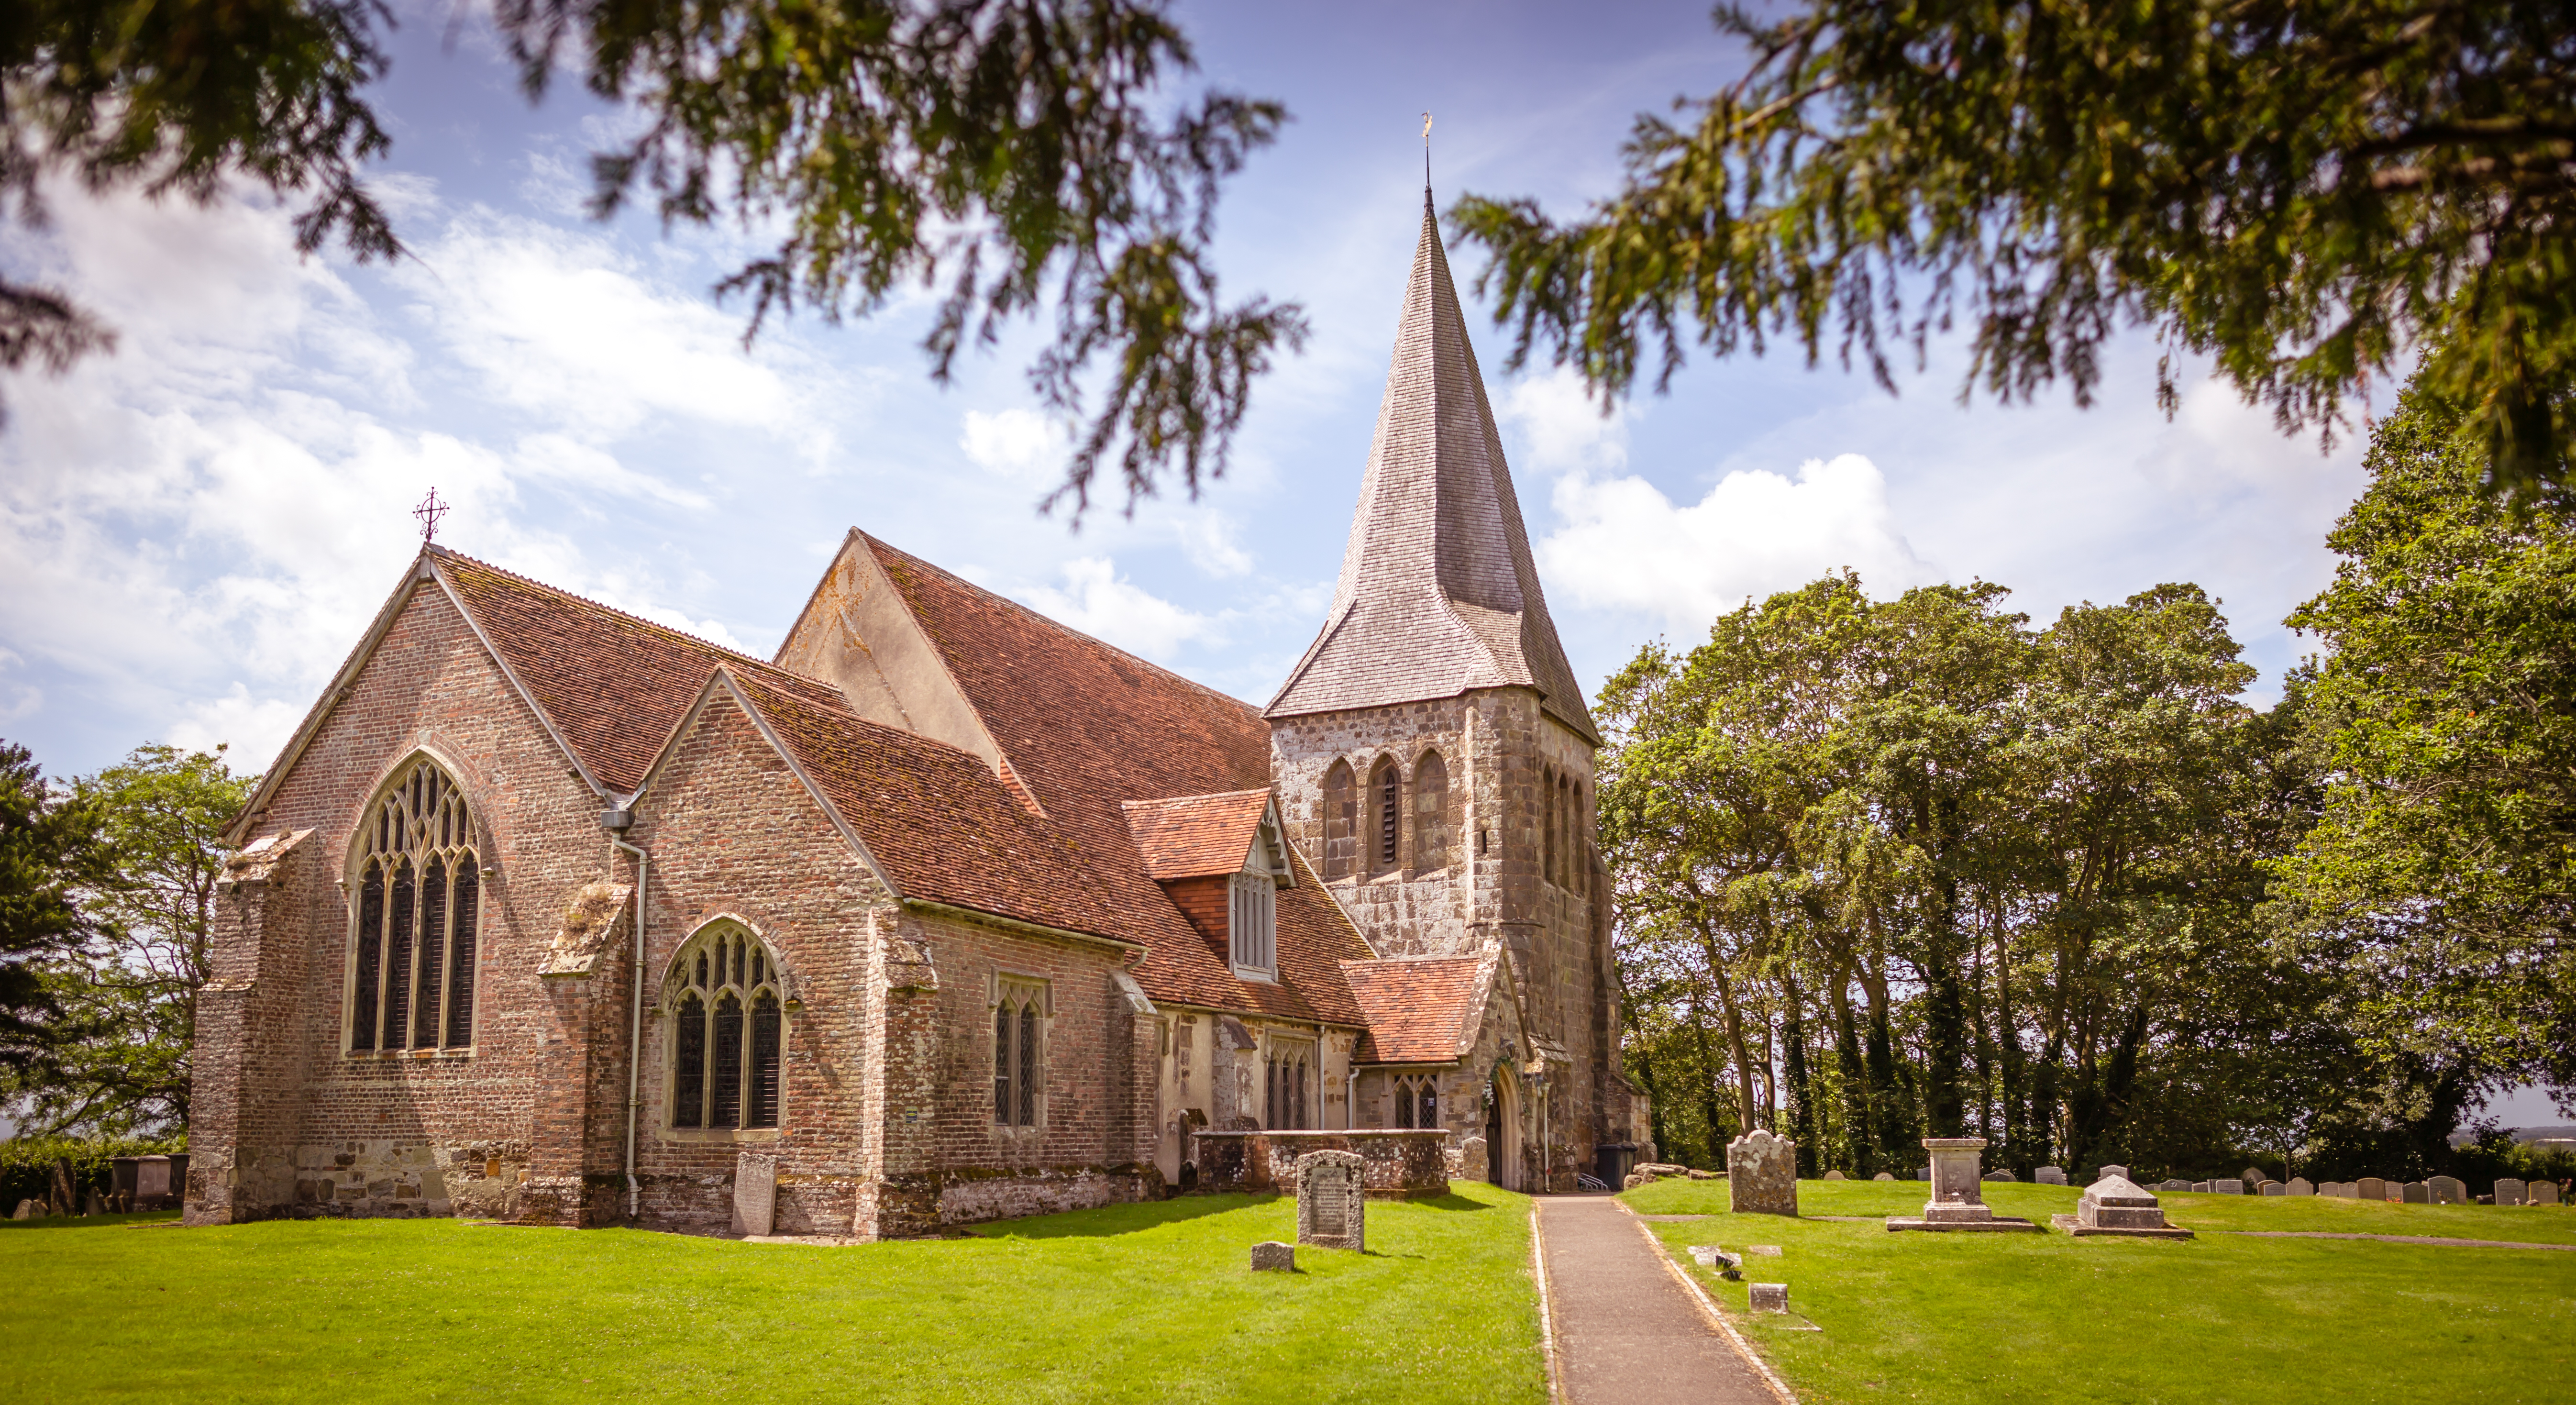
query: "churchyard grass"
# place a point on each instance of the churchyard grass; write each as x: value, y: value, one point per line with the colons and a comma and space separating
x: 2207, y: 1321
x: 1138, y: 1302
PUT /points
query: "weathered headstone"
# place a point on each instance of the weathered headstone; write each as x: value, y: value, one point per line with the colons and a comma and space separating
x: 26, y: 1210
x: 95, y: 1205
x: 1332, y: 1200
x: 2254, y: 1175
x: 1271, y: 1256
x: 1762, y: 1174
x: 1834, y: 1176
x: 2508, y: 1191
x: 2200, y: 1187
x: 152, y: 1178
x: 2415, y: 1193
x: 1958, y: 1202
x: 1471, y: 1160
x: 2300, y: 1185
x: 2371, y: 1188
x: 2448, y: 1190
x: 2271, y: 1188
x: 2228, y: 1185
x: 2544, y: 1192
x: 2000, y: 1176
x: 1924, y: 1174
x: 2107, y: 1172
x: 1883, y: 1176
x: 1769, y: 1297
x: 2049, y: 1175
x: 1717, y: 1261
x: 2116, y: 1207
x: 755, y: 1193
x: 2169, y: 1185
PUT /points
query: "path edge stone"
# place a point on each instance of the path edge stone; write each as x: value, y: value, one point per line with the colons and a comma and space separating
x: 1546, y: 1316
x: 1708, y: 1308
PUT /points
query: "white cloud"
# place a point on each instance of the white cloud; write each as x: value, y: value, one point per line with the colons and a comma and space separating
x: 1562, y: 427
x: 1100, y: 604
x: 1017, y: 445
x: 252, y: 729
x: 1208, y: 539
x: 1625, y: 546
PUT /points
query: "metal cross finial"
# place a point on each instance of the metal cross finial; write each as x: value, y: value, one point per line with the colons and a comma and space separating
x: 429, y: 511
x: 1426, y: 154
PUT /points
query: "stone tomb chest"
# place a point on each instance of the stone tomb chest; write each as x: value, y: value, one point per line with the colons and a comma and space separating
x: 2116, y: 1206
x: 1958, y: 1202
x: 1332, y: 1201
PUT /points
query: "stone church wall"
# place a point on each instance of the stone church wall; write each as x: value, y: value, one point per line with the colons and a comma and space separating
x: 288, y: 1123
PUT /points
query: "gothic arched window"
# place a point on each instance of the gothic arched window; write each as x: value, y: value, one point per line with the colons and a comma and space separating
x: 1287, y: 1072
x: 1341, y: 822
x: 1019, y: 1053
x: 420, y: 890
x: 1417, y: 1104
x: 728, y: 1032
x: 1430, y: 813
x: 1547, y: 824
x: 1386, y: 817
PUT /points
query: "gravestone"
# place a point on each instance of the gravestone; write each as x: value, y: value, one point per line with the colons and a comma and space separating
x: 1924, y: 1174
x: 2272, y: 1188
x: 1471, y: 1160
x: 152, y: 1178
x: 2001, y: 1176
x: 2107, y: 1172
x: 2508, y: 1192
x: 2169, y: 1185
x: 1762, y: 1174
x: 2200, y: 1187
x: 1332, y: 1200
x: 755, y: 1193
x: 1271, y: 1256
x: 1769, y: 1297
x: 1958, y: 1202
x: 26, y: 1210
x: 96, y: 1204
x: 2415, y: 1193
x: 2371, y: 1188
x: 2228, y: 1185
x: 1883, y: 1176
x: 1834, y: 1176
x: 1768, y: 1251
x: 2254, y: 1175
x: 2050, y: 1175
x: 2113, y: 1206
x: 2544, y: 1192
x: 2300, y: 1185
x: 2448, y: 1190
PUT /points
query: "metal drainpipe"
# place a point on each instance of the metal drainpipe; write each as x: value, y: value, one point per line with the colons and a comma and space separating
x: 616, y: 823
x: 1350, y: 1101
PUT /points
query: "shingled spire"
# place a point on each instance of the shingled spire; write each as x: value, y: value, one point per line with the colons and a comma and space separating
x: 1438, y: 593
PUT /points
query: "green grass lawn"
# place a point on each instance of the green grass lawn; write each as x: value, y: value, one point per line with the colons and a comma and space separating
x: 1138, y: 1302
x: 2220, y: 1318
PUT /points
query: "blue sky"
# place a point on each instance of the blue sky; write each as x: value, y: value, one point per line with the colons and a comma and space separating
x: 196, y: 528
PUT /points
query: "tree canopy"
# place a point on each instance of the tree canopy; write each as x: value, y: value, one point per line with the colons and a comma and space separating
x: 1007, y: 153
x: 2305, y: 192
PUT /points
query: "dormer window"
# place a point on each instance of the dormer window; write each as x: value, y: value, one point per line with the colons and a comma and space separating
x: 1253, y: 923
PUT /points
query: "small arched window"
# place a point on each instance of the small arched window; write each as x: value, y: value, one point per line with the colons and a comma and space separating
x: 728, y: 1031
x: 1430, y: 814
x: 420, y: 889
x: 1341, y: 822
x: 1288, y: 1070
x: 1386, y: 815
x: 1547, y: 824
x: 1417, y: 1103
x: 1019, y: 1052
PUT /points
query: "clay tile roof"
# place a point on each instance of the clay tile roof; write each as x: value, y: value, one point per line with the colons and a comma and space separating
x: 1438, y: 592
x: 935, y: 818
x: 1197, y: 836
x: 612, y: 685
x: 1417, y: 1010
x: 1086, y: 728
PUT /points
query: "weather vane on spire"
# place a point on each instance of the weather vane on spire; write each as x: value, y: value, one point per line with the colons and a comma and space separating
x: 429, y: 511
x: 1426, y: 155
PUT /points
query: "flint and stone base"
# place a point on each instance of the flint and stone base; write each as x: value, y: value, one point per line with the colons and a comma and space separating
x: 2070, y: 1225
x: 2000, y: 1224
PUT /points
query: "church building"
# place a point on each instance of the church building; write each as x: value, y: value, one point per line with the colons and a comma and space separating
x: 946, y: 913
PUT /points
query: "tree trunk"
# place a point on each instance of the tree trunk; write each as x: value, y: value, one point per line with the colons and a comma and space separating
x: 1793, y: 1034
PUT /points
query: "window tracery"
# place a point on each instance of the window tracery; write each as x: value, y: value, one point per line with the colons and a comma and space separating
x: 1417, y: 1103
x: 728, y: 1033
x: 1287, y: 1071
x: 419, y: 907
x: 1019, y: 1053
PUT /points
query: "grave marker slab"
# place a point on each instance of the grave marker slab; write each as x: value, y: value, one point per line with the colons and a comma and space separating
x: 2107, y: 1172
x: 1769, y: 1297
x: 2415, y: 1193
x: 2508, y: 1192
x: 2300, y: 1185
x: 1883, y: 1176
x: 2228, y: 1185
x: 2371, y: 1188
x: 1271, y: 1256
x: 2544, y: 1192
x: 755, y: 1193
x: 2448, y: 1190
x: 1332, y: 1200
x: 2200, y: 1187
x: 26, y: 1210
x: 1762, y: 1174
x: 1834, y: 1176
x: 2050, y: 1175
x: 1471, y: 1160
x: 2271, y: 1188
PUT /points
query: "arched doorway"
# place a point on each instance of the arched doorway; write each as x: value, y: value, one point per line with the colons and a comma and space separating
x: 1503, y: 1128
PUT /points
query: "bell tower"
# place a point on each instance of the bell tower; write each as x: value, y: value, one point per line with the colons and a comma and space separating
x: 1432, y: 750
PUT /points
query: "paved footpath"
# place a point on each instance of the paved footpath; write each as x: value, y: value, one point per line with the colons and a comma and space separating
x: 1628, y: 1330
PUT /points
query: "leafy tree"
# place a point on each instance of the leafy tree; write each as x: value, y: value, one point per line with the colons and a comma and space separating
x: 2301, y: 190
x: 48, y: 843
x: 120, y: 1057
x: 2444, y: 870
x: 1005, y: 152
